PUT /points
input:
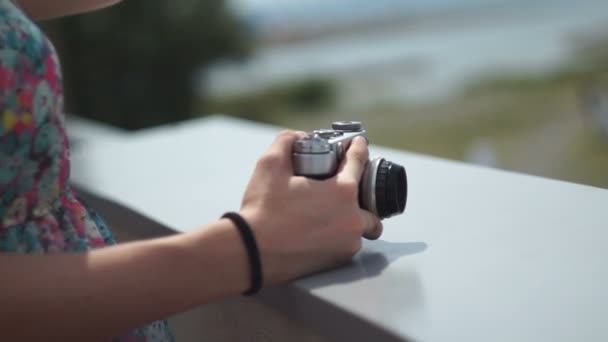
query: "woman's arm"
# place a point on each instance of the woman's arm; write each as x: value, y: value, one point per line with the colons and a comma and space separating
x: 107, y: 292
x: 48, y: 9
x: 301, y: 226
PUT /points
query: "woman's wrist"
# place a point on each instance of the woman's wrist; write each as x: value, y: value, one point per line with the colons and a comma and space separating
x: 218, y: 258
x: 261, y: 224
x: 253, y: 254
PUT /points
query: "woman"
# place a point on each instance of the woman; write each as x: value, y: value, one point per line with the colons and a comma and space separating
x: 63, y: 278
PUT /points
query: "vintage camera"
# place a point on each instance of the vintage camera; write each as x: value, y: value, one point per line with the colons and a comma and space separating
x: 383, y: 187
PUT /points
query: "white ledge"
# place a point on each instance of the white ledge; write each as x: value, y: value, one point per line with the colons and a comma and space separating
x: 479, y: 255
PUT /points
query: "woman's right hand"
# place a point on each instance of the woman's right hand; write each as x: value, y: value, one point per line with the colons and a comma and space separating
x: 304, y: 225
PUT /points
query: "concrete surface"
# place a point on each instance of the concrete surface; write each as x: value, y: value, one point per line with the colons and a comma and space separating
x: 479, y: 255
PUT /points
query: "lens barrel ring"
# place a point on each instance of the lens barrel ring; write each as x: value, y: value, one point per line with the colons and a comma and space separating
x: 381, y: 189
x: 390, y: 189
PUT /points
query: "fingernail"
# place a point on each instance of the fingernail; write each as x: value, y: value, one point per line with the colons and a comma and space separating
x: 361, y: 139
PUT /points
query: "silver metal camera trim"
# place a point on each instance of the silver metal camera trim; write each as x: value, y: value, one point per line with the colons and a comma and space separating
x: 311, y: 156
x: 315, y: 165
x: 369, y: 184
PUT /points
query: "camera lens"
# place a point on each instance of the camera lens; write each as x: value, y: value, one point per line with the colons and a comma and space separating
x: 391, y: 189
x: 383, y: 188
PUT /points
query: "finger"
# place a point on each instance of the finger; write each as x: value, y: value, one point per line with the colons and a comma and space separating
x: 278, y: 155
x: 355, y: 160
x: 374, y: 227
x: 283, y: 142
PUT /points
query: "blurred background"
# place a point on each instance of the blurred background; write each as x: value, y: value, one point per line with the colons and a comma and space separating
x: 517, y: 85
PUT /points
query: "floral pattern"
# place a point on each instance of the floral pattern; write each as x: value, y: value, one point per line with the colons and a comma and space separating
x: 39, y: 212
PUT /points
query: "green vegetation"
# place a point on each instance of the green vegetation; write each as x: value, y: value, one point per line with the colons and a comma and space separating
x: 588, y: 160
x: 534, y: 122
x: 299, y: 98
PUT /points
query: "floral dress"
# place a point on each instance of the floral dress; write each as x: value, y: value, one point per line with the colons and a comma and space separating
x: 39, y: 212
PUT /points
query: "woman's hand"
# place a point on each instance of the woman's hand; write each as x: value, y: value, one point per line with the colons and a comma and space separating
x: 304, y: 225
x: 301, y: 226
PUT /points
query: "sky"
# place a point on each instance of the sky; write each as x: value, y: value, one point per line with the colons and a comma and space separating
x: 265, y: 13
x: 268, y: 5
x: 336, y: 7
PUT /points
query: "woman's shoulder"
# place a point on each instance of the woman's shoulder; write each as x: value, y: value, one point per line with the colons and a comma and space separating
x: 33, y: 144
x: 31, y: 94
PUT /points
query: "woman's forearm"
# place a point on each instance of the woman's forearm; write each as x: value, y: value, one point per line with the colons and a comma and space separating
x: 106, y: 292
x: 48, y: 9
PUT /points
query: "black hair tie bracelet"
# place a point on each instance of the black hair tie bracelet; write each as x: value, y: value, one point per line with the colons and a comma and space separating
x: 252, y: 251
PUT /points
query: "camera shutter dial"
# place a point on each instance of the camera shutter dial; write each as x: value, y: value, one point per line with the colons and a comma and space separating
x: 327, y: 133
x: 348, y: 126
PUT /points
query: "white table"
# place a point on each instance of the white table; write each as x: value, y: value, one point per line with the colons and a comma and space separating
x: 479, y: 255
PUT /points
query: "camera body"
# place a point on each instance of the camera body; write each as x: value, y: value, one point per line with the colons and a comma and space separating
x: 383, y: 186
x: 320, y: 153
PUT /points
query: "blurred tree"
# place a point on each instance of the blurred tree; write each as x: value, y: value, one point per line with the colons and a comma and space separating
x: 137, y: 64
